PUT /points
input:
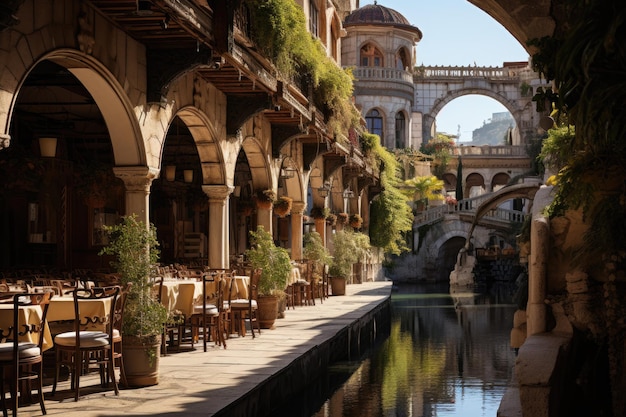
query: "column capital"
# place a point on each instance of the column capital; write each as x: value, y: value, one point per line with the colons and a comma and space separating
x: 298, y: 207
x: 217, y: 193
x: 5, y: 141
x: 137, y: 178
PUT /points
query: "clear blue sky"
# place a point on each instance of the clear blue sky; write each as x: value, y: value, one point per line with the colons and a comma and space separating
x: 455, y: 32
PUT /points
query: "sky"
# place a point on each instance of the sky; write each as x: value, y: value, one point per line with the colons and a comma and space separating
x: 455, y: 32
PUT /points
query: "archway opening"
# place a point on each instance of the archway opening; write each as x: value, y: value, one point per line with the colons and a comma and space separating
x: 477, y: 120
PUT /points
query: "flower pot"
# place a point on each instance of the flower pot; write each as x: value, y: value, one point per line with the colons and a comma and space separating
x: 141, y: 360
x: 267, y: 310
x: 338, y: 285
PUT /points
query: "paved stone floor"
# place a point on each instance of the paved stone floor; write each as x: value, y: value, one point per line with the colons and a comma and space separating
x: 194, y: 383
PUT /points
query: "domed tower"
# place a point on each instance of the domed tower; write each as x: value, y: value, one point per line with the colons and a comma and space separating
x: 380, y: 45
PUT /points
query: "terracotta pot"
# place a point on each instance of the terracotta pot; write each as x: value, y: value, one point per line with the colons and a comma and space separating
x: 141, y: 360
x: 338, y: 285
x: 267, y: 310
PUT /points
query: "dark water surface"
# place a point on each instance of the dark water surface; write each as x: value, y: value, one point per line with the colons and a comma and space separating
x: 447, y: 354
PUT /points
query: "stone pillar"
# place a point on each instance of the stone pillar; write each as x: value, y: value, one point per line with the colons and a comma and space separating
x: 264, y: 218
x: 137, y: 181
x: 537, y: 267
x: 297, y: 209
x: 320, y: 227
x: 218, y: 236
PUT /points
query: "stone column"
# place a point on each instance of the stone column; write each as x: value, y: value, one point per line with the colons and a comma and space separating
x: 137, y: 181
x: 218, y: 236
x: 537, y: 267
x: 264, y: 218
x: 297, y: 209
x: 320, y: 227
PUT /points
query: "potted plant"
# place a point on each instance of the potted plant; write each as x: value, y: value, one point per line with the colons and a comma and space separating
x: 135, y: 250
x: 331, y: 219
x: 265, y: 198
x: 275, y: 265
x: 282, y: 206
x: 315, y: 251
x: 349, y: 248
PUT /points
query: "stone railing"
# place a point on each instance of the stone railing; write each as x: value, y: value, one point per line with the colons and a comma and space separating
x: 466, y: 72
x: 382, y: 74
x: 488, y: 150
x: 467, y: 206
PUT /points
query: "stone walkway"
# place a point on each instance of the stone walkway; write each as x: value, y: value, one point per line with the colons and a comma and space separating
x: 195, y: 383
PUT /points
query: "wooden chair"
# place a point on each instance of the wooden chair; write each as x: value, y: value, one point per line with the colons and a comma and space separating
x: 171, y: 331
x: 86, y: 346
x: 118, y: 320
x: 25, y: 359
x: 246, y: 308
x: 209, y: 317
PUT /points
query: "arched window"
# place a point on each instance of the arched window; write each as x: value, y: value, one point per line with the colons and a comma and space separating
x: 374, y: 121
x: 371, y: 56
x: 400, y: 130
x: 402, y: 59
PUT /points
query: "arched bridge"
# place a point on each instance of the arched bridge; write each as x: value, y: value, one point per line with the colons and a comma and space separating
x: 512, y: 85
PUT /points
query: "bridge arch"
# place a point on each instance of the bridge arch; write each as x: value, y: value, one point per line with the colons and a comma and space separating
x: 511, y: 106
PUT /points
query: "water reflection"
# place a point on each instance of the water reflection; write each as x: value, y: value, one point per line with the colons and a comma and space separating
x: 447, y: 354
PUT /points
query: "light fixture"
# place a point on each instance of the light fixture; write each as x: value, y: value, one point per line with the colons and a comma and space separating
x: 170, y: 172
x: 48, y: 147
x: 324, y: 190
x: 188, y: 175
x: 287, y: 172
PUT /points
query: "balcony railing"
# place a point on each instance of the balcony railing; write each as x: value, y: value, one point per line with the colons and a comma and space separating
x: 467, y: 206
x: 382, y: 74
x: 466, y: 72
x: 488, y: 150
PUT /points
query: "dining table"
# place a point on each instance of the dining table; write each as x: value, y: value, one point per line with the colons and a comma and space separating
x: 181, y: 295
x: 61, y: 309
x: 28, y: 315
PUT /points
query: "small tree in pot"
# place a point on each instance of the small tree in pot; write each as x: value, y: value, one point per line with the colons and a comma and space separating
x: 275, y: 265
x: 135, y: 248
x: 349, y: 248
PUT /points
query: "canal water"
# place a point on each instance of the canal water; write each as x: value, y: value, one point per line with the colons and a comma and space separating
x: 447, y: 354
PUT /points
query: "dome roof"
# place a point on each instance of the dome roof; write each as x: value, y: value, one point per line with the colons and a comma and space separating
x: 376, y: 14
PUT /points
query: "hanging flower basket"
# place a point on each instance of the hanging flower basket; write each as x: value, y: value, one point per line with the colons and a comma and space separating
x: 356, y: 221
x: 342, y: 218
x: 331, y: 219
x: 282, y: 206
x: 265, y: 199
x: 319, y: 212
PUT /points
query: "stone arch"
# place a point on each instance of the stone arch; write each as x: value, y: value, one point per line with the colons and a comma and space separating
x: 473, y: 180
x: 428, y: 119
x: 500, y: 180
x: 403, y: 58
x: 449, y: 181
x: 205, y: 137
x: 109, y: 96
x: 258, y: 162
x: 371, y: 50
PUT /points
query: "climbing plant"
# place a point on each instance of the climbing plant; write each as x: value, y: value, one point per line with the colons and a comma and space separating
x: 279, y: 29
x: 390, y: 215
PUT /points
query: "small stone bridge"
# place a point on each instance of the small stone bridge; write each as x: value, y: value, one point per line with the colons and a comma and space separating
x: 441, y: 231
